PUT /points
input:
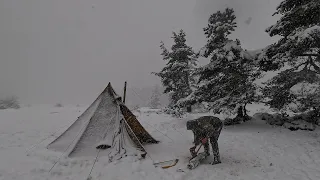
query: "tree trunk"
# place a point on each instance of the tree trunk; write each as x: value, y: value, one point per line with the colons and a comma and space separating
x: 189, y: 109
x: 246, y: 117
x: 245, y: 110
x: 239, y: 117
x: 240, y: 112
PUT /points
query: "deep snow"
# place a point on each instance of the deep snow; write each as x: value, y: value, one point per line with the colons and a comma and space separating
x: 250, y: 151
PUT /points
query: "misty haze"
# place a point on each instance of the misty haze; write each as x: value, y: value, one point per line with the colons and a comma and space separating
x: 92, y: 87
x: 68, y: 51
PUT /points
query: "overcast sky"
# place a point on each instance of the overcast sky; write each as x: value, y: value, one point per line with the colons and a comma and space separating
x: 68, y: 50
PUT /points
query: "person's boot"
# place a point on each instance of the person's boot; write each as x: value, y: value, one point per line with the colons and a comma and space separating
x: 207, y: 150
x: 207, y: 153
x: 216, y: 160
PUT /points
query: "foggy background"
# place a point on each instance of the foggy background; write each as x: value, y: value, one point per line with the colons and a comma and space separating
x: 67, y: 51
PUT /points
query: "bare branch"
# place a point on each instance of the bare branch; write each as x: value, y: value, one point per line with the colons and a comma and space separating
x: 317, y: 68
x: 297, y: 67
x: 310, y: 55
x: 318, y: 59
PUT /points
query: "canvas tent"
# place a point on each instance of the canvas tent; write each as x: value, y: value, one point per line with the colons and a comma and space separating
x: 106, y: 123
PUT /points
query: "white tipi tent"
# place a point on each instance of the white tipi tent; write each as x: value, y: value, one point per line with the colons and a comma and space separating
x: 107, y: 127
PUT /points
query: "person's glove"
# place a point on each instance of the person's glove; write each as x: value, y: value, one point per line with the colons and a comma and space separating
x: 204, y: 140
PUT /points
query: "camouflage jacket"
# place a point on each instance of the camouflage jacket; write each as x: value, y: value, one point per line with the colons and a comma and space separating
x: 208, y: 126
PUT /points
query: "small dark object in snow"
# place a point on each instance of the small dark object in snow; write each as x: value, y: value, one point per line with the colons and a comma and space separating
x: 258, y: 132
x: 271, y: 164
x: 103, y: 146
x: 293, y: 129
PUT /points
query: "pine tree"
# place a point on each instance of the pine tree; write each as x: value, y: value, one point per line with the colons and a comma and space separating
x: 176, y: 75
x: 155, y: 98
x: 298, y: 51
x: 228, y: 78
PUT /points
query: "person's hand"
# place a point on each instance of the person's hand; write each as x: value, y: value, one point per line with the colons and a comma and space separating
x: 204, y: 140
x: 193, y: 151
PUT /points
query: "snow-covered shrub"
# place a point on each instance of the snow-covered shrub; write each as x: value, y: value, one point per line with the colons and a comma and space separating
x: 200, y: 108
x: 263, y: 116
x: 303, y: 121
x: 9, y: 103
x: 227, y: 121
x: 175, y: 112
x: 230, y: 121
x: 272, y: 119
x: 278, y: 119
x: 310, y: 117
x: 236, y: 120
x: 297, y: 122
x: 299, y: 125
x: 313, y: 117
x: 58, y: 105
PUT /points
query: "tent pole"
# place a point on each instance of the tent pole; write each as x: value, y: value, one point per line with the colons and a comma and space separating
x: 124, y: 92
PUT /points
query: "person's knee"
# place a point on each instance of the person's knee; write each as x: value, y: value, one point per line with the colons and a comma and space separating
x: 215, y: 147
x: 213, y: 140
x: 206, y: 146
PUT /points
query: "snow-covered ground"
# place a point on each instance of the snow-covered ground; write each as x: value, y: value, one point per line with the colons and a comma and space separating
x: 250, y: 151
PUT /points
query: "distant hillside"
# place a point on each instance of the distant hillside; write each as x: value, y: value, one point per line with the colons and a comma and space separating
x: 142, y: 96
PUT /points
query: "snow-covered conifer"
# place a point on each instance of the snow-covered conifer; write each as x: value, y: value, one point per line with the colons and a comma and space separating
x: 228, y: 79
x: 180, y: 62
x: 296, y: 54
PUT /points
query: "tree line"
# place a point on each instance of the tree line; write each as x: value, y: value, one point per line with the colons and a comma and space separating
x: 230, y: 77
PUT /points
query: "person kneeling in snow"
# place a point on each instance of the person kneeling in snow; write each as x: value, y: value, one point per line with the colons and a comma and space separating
x: 205, y: 128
